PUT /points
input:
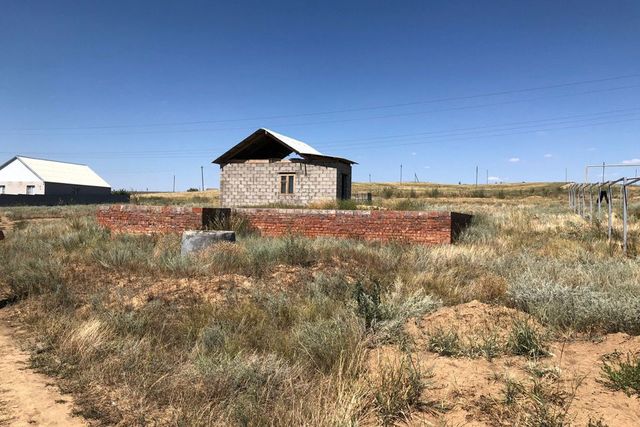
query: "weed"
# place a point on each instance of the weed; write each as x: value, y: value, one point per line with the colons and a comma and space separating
x: 512, y: 390
x: 623, y: 375
x: 489, y: 347
x: 398, y: 390
x: 525, y: 340
x: 368, y: 302
x: 445, y: 343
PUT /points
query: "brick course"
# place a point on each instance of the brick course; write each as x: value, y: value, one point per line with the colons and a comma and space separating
x: 155, y: 219
x: 407, y: 226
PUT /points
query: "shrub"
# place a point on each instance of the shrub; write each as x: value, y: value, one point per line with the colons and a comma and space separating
x: 34, y: 276
x: 385, y: 319
x: 125, y: 252
x: 328, y: 341
x: 245, y: 386
x: 623, y: 375
x: 388, y: 192
x: 581, y: 308
x: 368, y: 303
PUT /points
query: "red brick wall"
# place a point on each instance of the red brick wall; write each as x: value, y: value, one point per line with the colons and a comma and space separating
x: 150, y: 219
x: 408, y: 226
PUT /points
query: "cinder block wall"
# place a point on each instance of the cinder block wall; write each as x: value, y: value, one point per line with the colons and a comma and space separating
x: 407, y: 226
x: 257, y: 182
x: 415, y: 227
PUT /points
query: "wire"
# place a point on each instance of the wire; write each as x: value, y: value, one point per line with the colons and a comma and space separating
x: 341, y: 111
x: 445, y: 132
x: 178, y: 131
x: 438, y: 140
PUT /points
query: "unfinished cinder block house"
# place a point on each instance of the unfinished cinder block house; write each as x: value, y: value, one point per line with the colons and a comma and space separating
x: 267, y: 168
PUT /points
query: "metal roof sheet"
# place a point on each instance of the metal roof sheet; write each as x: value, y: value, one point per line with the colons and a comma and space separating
x: 63, y: 173
x: 297, y: 146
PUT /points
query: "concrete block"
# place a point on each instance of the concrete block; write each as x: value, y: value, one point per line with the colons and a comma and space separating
x: 197, y: 240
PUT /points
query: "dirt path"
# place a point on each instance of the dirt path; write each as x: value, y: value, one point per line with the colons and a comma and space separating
x: 28, y: 398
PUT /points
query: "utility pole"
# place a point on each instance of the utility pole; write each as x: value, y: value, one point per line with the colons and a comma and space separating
x: 487, y: 176
x: 603, y: 171
x: 566, y: 175
x: 416, y: 176
x: 202, y: 176
x: 476, y: 176
x: 400, y: 173
x: 369, y: 178
x: 174, y: 183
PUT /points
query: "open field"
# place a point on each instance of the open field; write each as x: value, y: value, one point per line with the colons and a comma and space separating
x: 195, y: 198
x: 530, y: 319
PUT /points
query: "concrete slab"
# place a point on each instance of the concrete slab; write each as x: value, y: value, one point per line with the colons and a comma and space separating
x: 193, y: 241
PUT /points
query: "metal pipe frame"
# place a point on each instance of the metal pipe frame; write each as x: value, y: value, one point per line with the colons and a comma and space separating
x: 604, y: 165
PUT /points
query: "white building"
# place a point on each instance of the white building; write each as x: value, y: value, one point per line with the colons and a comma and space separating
x: 25, y: 175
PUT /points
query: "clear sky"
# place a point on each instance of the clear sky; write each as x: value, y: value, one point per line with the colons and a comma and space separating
x: 143, y: 90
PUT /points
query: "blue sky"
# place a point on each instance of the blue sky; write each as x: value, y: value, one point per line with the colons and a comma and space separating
x: 145, y: 90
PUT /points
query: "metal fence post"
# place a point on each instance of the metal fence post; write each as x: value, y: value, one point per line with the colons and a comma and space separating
x: 624, y: 216
x: 610, y: 194
x: 599, y: 201
x: 590, y: 202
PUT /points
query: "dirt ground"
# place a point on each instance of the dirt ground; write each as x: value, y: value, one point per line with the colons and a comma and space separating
x: 472, y: 390
x: 29, y: 398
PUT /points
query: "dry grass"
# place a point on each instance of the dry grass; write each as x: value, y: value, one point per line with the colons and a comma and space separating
x: 5, y: 416
x: 198, y: 198
x: 279, y: 331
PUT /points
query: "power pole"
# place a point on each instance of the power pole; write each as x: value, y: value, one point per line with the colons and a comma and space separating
x: 202, y: 176
x: 603, y: 166
x: 476, y: 176
x: 416, y: 176
x: 369, y: 178
x: 487, y: 176
x: 566, y: 175
x: 400, y: 173
x: 174, y: 183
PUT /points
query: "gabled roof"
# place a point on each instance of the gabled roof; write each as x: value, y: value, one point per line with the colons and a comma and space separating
x: 61, y: 172
x: 267, y: 144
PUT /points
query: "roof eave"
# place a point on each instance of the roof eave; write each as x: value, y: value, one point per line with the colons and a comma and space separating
x: 323, y: 156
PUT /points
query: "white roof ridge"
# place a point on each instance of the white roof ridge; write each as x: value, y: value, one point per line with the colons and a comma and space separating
x: 49, y: 160
x: 62, y: 172
x: 296, y: 145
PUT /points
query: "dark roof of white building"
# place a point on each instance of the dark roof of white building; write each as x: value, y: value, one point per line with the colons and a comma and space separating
x: 267, y: 144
